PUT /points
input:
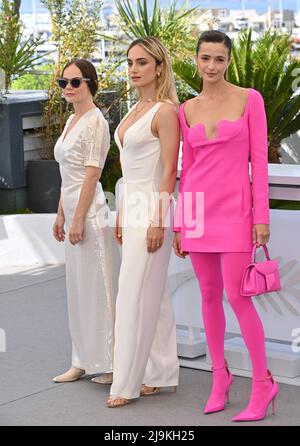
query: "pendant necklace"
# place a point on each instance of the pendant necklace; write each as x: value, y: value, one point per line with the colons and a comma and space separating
x: 137, y: 111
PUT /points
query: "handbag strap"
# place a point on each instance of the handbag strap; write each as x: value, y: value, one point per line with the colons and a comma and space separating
x: 254, y: 252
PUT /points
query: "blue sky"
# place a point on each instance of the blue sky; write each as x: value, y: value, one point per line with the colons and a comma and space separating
x: 259, y: 5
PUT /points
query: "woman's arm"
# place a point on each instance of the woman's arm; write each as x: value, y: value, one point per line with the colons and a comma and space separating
x: 58, y: 227
x: 60, y: 210
x: 169, y: 134
x: 95, y: 146
x: 87, y: 194
x: 186, y: 162
x: 167, y: 127
x: 258, y: 139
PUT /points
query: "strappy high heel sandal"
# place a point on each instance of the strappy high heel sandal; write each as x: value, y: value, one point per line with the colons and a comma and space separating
x: 148, y: 391
x: 117, y: 402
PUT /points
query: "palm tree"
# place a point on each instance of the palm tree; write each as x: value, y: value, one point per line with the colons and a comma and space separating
x: 173, y: 25
x: 268, y: 67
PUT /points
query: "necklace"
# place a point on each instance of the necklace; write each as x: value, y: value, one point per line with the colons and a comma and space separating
x: 138, y: 110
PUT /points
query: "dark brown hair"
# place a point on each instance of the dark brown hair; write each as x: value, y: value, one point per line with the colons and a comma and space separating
x: 88, y: 70
x: 215, y: 37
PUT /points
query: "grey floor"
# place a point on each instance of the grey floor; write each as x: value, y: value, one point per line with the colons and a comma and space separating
x: 33, y: 317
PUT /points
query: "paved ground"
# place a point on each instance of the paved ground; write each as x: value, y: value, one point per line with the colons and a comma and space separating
x: 34, y: 319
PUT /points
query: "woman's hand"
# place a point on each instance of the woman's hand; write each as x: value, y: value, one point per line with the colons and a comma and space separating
x: 76, y: 231
x: 261, y: 234
x: 177, y: 246
x: 58, y: 228
x: 118, y: 230
x: 155, y: 238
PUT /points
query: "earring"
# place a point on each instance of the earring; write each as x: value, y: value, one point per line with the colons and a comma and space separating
x: 158, y: 74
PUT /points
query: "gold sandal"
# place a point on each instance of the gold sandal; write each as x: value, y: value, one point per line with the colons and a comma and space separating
x: 148, y: 391
x: 117, y: 402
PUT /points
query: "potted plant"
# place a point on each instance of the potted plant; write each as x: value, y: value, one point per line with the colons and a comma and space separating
x: 16, y: 54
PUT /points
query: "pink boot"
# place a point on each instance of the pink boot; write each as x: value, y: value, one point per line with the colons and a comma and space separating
x: 263, y: 393
x: 222, y: 380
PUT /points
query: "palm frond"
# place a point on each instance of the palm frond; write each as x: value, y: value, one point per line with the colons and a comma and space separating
x: 170, y: 23
x: 187, y: 70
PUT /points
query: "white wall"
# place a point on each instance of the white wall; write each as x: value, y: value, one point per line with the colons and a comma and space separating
x: 27, y: 240
x: 279, y: 311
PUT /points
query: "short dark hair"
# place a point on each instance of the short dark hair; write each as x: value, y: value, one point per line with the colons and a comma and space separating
x: 214, y: 36
x: 88, y: 70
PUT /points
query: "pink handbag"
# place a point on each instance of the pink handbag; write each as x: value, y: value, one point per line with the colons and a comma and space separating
x: 262, y: 277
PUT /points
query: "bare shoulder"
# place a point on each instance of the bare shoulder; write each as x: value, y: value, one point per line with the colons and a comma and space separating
x: 191, y: 103
x: 239, y: 92
x: 167, y: 109
x: 166, y: 112
x: 165, y: 119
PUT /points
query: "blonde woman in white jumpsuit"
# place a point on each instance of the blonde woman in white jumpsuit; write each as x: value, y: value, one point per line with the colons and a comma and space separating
x: 145, y: 353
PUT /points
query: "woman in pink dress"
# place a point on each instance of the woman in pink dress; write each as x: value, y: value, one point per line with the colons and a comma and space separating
x: 219, y: 215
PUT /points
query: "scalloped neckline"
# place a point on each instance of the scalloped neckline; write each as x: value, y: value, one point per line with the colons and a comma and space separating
x: 218, y: 122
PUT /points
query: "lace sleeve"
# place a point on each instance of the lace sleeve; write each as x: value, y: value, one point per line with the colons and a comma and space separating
x: 96, y: 141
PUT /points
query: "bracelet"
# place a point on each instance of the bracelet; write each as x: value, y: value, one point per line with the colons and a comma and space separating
x: 152, y: 223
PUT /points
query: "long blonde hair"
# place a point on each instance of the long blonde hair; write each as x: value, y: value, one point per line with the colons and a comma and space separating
x: 166, y: 89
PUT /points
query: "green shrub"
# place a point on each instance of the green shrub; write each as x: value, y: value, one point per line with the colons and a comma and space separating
x: 34, y: 81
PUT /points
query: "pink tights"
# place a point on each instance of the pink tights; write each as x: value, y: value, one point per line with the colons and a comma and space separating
x: 215, y: 271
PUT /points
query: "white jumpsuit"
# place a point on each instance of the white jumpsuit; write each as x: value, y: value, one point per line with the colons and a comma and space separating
x: 92, y: 266
x: 145, y: 336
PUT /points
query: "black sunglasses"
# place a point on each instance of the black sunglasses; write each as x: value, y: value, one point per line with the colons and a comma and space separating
x: 75, y: 81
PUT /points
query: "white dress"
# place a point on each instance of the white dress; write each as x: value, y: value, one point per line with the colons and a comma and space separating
x: 92, y: 266
x: 145, y: 336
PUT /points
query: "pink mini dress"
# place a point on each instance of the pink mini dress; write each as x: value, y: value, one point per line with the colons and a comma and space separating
x: 228, y: 204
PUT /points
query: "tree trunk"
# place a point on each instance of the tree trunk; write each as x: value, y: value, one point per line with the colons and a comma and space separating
x: 16, y: 7
x: 8, y: 81
x: 273, y: 152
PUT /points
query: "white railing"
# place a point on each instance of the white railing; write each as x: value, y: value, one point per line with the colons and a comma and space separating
x: 280, y: 311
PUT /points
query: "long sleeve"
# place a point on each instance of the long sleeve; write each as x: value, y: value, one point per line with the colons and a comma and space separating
x: 186, y: 163
x: 96, y: 141
x: 258, y: 139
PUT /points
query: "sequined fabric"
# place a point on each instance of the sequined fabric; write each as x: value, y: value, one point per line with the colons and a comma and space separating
x: 92, y: 266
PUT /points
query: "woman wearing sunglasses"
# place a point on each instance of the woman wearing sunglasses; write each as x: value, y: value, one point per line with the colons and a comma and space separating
x: 92, y: 260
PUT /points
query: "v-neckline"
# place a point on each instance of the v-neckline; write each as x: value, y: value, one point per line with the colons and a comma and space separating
x: 126, y: 116
x: 66, y: 133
